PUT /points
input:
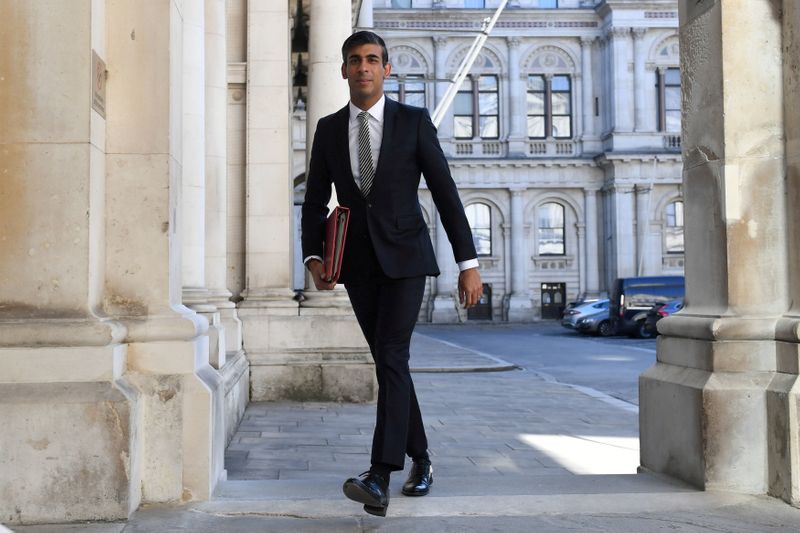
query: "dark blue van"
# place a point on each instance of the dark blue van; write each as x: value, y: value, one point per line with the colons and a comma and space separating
x: 631, y: 298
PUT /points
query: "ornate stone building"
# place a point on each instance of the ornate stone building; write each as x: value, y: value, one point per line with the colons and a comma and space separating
x: 564, y: 142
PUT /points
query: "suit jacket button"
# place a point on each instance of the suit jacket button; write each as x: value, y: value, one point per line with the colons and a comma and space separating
x: 369, y: 205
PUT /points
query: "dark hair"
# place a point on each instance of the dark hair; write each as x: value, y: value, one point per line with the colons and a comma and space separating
x: 364, y: 37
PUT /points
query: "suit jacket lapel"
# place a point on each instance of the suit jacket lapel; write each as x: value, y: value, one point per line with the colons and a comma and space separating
x: 389, y: 112
x: 343, y: 146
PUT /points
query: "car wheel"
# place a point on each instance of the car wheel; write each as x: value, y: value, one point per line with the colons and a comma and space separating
x: 642, y: 332
x: 605, y: 329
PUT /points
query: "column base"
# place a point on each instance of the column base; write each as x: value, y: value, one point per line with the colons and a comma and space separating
x: 70, y: 442
x: 236, y: 379
x: 444, y: 310
x: 314, y: 353
x: 703, y: 426
x: 520, y: 309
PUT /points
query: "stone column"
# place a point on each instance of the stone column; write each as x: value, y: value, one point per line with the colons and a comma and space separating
x: 784, y: 394
x: 440, y: 73
x: 517, y: 104
x: 68, y: 415
x: 592, y: 256
x: 587, y: 87
x: 639, y: 79
x: 642, y: 227
x: 717, y: 358
x: 580, y: 233
x: 624, y: 239
x: 622, y: 80
x: 181, y: 424
x: 445, y: 301
x: 520, y: 307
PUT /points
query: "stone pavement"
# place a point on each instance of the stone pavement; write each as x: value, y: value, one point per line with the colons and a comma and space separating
x: 511, y: 452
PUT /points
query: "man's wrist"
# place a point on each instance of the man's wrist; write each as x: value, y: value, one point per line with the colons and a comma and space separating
x: 311, y: 257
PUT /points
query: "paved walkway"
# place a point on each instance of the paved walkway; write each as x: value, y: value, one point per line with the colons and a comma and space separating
x: 511, y: 452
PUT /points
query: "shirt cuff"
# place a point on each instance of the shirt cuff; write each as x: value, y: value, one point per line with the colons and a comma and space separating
x: 310, y: 257
x: 469, y: 263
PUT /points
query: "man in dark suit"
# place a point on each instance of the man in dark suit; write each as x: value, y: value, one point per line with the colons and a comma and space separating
x: 373, y: 151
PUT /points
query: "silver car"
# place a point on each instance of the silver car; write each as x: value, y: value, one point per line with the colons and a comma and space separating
x: 572, y: 316
x: 599, y: 323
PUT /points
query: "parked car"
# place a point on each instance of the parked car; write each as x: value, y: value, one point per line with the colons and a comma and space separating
x: 575, y: 303
x: 659, y: 311
x: 598, y: 323
x: 632, y: 298
x: 572, y: 316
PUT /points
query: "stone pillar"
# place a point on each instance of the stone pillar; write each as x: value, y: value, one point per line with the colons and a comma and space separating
x: 520, y: 307
x: 440, y: 73
x: 642, y: 227
x: 640, y: 80
x: 717, y: 358
x: 365, y: 18
x: 445, y: 301
x: 314, y: 351
x: 69, y: 417
x: 580, y: 233
x: 517, y: 105
x: 180, y: 419
x: 592, y: 256
x: 226, y: 353
x: 783, y: 396
x: 622, y: 80
x: 587, y: 87
x: 623, y: 238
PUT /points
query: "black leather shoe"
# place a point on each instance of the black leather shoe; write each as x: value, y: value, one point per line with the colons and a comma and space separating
x: 371, y: 490
x: 420, y: 479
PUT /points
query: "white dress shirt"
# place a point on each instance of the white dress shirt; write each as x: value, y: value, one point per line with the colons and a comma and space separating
x: 375, y: 124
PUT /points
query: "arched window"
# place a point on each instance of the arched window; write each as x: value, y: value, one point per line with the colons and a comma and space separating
x: 479, y: 217
x: 550, y: 229
x: 673, y: 229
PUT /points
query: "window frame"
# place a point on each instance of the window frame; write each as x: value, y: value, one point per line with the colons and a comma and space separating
x: 474, y: 228
x: 661, y: 95
x: 677, y: 214
x: 540, y: 228
x: 475, y: 92
x: 401, y: 80
x: 548, y: 105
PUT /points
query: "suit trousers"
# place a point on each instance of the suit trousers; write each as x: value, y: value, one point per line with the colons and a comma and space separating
x: 387, y: 311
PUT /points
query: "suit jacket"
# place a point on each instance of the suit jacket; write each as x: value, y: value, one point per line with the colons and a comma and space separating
x: 390, y: 219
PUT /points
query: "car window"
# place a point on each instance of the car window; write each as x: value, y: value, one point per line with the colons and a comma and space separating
x: 601, y: 305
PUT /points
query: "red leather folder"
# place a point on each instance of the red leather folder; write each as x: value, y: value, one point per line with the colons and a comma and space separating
x: 335, y: 236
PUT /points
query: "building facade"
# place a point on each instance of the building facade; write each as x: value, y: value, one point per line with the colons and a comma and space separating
x: 564, y: 141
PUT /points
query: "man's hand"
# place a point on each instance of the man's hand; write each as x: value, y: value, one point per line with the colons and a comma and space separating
x: 318, y: 272
x: 470, y: 288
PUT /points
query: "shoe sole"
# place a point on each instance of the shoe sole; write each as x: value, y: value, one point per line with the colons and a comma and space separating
x: 357, y: 494
x: 374, y: 510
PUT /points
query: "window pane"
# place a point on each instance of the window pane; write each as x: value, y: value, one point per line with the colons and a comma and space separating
x: 673, y: 240
x: 478, y: 215
x: 473, y: 4
x: 673, y: 121
x: 672, y: 97
x: 536, y: 103
x: 674, y: 214
x: 536, y: 83
x: 536, y: 127
x: 672, y: 76
x: 487, y: 83
x: 415, y: 86
x: 483, y: 241
x: 489, y: 129
x: 560, y: 83
x: 462, y: 127
x: 416, y: 99
x: 487, y: 103
x: 402, y: 4
x: 392, y: 95
x: 548, y: 4
x: 551, y: 242
x: 391, y: 85
x: 562, y: 127
x: 551, y: 216
x: 463, y: 104
x: 561, y: 103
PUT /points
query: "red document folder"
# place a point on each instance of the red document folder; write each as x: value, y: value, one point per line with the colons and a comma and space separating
x: 335, y: 236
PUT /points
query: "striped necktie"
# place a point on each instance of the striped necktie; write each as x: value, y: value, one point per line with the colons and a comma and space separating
x: 365, y: 167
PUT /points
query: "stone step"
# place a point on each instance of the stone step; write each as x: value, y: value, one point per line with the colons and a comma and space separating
x: 463, y: 496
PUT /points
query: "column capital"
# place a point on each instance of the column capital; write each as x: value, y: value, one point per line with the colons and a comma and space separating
x: 587, y: 40
x: 619, y: 32
x: 590, y: 192
x: 642, y: 188
x: 638, y: 33
x: 439, y: 42
x: 513, y: 42
x: 517, y: 190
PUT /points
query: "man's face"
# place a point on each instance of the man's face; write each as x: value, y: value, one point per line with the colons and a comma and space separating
x: 364, y: 71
